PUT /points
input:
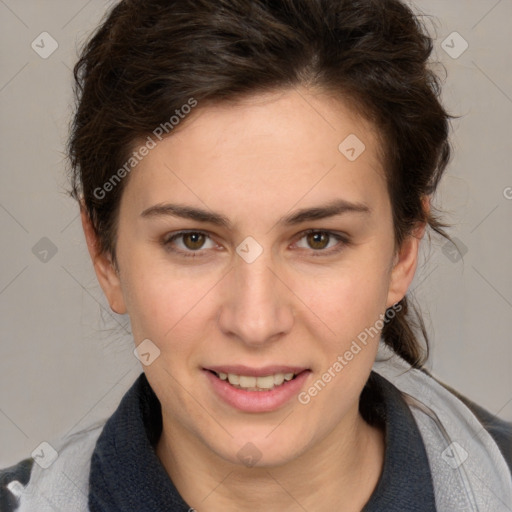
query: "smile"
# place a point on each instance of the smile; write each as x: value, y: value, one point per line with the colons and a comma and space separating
x: 256, y: 390
x: 251, y: 383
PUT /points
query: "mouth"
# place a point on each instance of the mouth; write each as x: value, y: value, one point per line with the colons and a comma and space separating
x: 261, y: 383
x: 256, y: 390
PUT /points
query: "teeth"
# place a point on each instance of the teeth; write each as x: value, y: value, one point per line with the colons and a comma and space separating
x: 234, y: 379
x: 250, y: 383
x: 265, y: 382
x: 245, y: 382
x: 278, y: 379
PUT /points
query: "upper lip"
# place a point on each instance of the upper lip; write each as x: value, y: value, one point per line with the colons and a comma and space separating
x: 256, y: 372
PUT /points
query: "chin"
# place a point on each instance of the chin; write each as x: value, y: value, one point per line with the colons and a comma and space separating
x: 264, y: 449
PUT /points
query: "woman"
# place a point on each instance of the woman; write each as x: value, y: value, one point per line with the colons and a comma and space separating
x: 255, y: 179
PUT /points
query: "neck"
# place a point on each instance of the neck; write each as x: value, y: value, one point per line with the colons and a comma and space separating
x: 338, y: 473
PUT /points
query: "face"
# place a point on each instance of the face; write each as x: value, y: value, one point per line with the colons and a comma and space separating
x: 286, y: 260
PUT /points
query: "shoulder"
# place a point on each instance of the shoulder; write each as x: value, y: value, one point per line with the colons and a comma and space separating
x: 11, y: 479
x: 54, y: 478
x: 499, y: 429
x: 420, y: 383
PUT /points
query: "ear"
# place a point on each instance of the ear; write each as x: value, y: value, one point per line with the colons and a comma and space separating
x: 103, y: 266
x: 406, y: 261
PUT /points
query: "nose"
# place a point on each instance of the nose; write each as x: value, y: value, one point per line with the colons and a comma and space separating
x: 258, y: 306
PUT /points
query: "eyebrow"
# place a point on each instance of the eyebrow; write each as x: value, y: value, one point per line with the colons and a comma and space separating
x: 336, y: 207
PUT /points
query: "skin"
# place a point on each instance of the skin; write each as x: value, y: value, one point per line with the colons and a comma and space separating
x: 254, y: 162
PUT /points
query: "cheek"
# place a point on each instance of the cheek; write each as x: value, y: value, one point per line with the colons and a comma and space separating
x: 165, y: 302
x: 350, y: 306
x: 349, y: 298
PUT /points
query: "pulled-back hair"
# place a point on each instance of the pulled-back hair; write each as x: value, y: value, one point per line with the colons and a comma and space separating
x: 149, y: 58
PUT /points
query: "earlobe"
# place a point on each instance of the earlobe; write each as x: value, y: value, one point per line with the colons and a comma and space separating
x: 404, y: 266
x: 103, y: 266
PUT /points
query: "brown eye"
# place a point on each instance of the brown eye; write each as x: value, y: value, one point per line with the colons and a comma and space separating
x: 189, y: 243
x: 318, y: 239
x: 193, y: 241
x: 322, y: 243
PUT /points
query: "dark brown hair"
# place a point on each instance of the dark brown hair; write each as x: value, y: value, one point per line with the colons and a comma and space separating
x: 149, y: 58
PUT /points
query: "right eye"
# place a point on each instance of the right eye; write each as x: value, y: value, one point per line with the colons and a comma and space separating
x: 190, y: 245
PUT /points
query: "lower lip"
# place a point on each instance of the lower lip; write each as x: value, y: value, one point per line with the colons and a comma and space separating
x: 257, y: 401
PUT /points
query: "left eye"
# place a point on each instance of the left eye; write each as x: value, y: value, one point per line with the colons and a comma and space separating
x: 319, y: 240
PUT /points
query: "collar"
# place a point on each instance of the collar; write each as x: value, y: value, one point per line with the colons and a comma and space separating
x: 406, y: 481
x: 126, y: 473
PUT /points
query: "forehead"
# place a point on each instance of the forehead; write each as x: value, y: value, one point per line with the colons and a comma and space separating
x: 268, y: 150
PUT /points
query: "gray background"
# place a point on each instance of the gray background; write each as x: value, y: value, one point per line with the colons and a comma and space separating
x: 66, y: 360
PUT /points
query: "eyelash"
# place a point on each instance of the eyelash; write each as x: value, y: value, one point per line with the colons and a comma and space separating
x: 167, y: 243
